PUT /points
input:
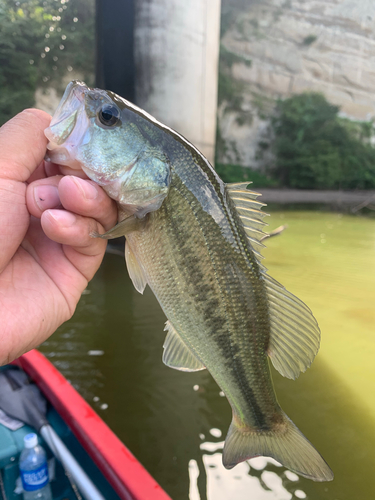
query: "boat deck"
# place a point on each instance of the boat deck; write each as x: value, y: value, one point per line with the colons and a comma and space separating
x: 11, y: 445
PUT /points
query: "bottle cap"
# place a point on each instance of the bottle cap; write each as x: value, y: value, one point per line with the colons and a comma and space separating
x: 30, y: 440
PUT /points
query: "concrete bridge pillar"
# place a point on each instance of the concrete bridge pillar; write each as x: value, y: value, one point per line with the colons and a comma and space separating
x: 176, y: 59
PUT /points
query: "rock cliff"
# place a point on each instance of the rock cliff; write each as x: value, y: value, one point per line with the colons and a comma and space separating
x: 274, y: 48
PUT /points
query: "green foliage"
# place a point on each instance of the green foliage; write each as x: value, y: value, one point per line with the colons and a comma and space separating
x: 263, y: 104
x: 237, y: 173
x: 228, y: 58
x: 230, y: 95
x: 309, y: 39
x: 315, y: 148
x: 230, y: 90
x: 41, y: 41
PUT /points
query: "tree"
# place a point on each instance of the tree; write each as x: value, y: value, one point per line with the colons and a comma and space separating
x: 315, y: 148
x: 40, y: 41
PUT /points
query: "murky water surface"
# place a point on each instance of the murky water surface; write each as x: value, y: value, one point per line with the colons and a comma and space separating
x: 175, y: 423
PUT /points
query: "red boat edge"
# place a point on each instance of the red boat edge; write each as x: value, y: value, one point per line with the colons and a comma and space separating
x: 127, y: 476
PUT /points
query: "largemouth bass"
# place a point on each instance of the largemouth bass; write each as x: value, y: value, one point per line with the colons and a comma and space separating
x: 196, y: 242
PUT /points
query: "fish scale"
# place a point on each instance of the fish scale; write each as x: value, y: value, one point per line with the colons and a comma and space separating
x: 196, y: 242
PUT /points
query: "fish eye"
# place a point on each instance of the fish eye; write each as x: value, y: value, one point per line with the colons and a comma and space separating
x: 109, y: 115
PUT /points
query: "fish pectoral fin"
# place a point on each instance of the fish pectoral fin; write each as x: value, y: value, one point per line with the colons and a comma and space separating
x: 177, y: 354
x: 124, y: 227
x: 284, y: 442
x: 135, y: 270
x: 295, y: 334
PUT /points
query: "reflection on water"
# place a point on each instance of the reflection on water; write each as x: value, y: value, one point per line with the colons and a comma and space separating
x: 175, y: 423
x: 69, y: 348
x: 259, y: 476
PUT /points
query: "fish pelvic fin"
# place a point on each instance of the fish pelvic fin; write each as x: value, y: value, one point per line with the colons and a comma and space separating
x: 177, y: 354
x: 135, y: 270
x: 285, y: 443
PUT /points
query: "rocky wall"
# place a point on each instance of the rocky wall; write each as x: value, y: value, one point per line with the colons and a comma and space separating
x: 277, y: 48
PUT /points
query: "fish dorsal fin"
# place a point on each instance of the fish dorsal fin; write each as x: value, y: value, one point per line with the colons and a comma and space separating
x: 249, y: 210
x: 177, y: 354
x: 135, y: 271
x: 295, y: 334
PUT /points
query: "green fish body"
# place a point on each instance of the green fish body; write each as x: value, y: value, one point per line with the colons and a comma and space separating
x: 195, y: 241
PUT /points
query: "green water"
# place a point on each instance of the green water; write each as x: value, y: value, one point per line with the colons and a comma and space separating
x: 175, y: 422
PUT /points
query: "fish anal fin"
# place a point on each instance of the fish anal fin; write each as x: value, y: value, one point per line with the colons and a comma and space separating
x: 135, y: 270
x: 295, y: 335
x: 285, y: 443
x: 177, y: 354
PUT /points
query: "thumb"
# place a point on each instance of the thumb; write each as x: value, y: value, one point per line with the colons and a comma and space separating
x: 22, y: 148
x: 23, y: 144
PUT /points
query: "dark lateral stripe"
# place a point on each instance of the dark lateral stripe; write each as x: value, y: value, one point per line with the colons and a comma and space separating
x: 211, y: 309
x: 251, y: 398
x: 193, y: 273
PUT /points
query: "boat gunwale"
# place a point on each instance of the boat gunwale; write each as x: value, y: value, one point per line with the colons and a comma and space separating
x: 123, y: 471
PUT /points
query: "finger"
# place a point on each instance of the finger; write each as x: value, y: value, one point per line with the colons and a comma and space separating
x: 52, y: 169
x: 23, y: 144
x: 73, y: 231
x: 39, y: 173
x: 85, y: 197
x: 45, y: 169
x: 42, y: 195
x: 76, y: 195
x: 65, y: 170
x: 55, y: 169
x: 68, y: 228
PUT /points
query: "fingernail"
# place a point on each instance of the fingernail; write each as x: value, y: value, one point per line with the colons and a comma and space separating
x: 62, y: 217
x: 46, y: 197
x: 88, y: 190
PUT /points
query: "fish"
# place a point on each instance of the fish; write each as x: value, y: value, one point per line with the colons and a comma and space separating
x: 197, y: 243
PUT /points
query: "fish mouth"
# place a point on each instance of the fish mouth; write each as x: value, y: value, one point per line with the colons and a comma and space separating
x: 69, y: 127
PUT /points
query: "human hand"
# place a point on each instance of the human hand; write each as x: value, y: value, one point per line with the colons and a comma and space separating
x: 47, y: 255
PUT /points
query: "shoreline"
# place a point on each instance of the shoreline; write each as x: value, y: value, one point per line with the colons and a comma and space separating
x: 353, y: 199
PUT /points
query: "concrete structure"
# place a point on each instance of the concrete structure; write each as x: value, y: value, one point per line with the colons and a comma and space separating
x: 176, y: 57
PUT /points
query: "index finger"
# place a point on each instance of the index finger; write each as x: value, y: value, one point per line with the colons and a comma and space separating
x: 23, y: 144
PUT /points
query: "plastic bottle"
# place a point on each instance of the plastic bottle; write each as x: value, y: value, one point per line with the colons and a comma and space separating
x: 34, y: 470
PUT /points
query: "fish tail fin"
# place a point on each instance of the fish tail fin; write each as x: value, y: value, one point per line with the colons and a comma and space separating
x: 285, y: 443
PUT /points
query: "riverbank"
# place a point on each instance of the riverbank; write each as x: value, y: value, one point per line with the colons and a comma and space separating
x: 354, y: 200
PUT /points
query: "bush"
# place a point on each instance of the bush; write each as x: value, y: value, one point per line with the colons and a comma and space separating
x: 315, y: 148
x: 40, y: 41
